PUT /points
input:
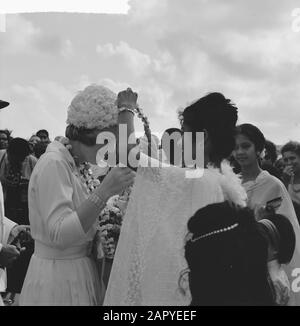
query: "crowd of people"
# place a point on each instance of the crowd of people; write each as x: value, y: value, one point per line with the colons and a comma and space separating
x: 229, y: 237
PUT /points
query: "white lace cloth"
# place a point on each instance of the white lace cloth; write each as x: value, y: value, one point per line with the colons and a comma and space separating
x: 150, y: 254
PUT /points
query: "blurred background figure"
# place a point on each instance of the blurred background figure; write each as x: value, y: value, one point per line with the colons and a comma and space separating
x: 291, y: 173
x: 16, y: 167
x: 44, y: 136
x: 269, y: 159
x: 279, y: 165
x: 33, y: 140
x: 39, y: 149
x: 4, y: 138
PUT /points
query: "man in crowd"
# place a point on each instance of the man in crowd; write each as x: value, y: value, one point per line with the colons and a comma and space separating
x: 44, y: 136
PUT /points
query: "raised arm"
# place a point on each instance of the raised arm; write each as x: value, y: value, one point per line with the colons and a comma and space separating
x: 127, y: 103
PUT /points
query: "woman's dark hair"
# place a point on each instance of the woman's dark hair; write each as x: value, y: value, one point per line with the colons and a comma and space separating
x: 287, y: 242
x: 39, y: 149
x: 218, y: 116
x: 42, y: 132
x: 18, y: 149
x: 291, y: 146
x: 86, y: 136
x: 254, y: 135
x: 272, y: 150
x: 227, y: 268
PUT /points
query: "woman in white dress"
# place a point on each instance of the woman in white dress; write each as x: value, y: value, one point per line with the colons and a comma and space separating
x: 63, y: 214
x: 150, y: 254
x: 262, y: 188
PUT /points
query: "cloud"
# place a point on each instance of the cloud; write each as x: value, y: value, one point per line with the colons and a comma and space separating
x: 172, y: 52
x: 20, y: 35
x: 135, y: 60
x: 23, y: 37
x: 42, y: 105
x: 245, y: 49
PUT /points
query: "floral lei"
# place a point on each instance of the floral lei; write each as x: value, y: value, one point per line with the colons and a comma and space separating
x: 111, y: 217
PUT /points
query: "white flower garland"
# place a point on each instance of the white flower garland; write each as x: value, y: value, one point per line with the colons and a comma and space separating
x: 94, y: 107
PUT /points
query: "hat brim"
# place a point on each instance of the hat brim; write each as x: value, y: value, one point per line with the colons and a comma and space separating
x: 3, y: 104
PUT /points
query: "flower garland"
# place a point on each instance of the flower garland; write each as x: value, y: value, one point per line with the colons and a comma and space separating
x: 145, y: 122
x: 110, y: 218
x: 87, y: 178
x: 110, y: 222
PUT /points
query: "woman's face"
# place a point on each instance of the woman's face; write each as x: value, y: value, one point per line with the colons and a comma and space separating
x: 34, y: 140
x: 293, y: 160
x: 244, y: 152
x: 3, y: 141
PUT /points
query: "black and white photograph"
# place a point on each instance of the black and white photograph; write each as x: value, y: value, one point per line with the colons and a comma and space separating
x: 149, y: 155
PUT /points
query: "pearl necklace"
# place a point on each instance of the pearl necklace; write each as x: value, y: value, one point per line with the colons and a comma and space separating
x: 229, y: 228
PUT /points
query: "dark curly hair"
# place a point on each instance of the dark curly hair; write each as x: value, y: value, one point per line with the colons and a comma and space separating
x: 218, y: 116
x: 18, y: 149
x: 227, y: 268
x: 254, y: 135
x: 291, y: 146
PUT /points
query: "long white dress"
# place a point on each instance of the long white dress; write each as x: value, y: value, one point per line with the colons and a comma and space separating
x: 60, y: 271
x: 150, y: 253
x: 267, y: 187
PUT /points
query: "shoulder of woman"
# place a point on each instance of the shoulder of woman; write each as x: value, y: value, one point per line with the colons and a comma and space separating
x: 277, y: 183
x: 52, y: 161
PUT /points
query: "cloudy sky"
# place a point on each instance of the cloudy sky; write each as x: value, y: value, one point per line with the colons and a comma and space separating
x: 170, y: 51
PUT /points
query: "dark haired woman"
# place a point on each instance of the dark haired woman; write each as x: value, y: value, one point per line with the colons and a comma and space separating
x: 291, y: 173
x: 264, y: 189
x: 227, y: 258
x: 149, y: 257
x: 63, y: 209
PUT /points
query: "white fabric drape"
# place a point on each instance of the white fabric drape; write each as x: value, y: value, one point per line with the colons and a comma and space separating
x: 150, y: 253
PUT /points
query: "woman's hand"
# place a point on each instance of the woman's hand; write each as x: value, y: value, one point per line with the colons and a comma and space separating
x: 22, y: 231
x: 117, y: 180
x: 8, y: 255
x: 127, y: 99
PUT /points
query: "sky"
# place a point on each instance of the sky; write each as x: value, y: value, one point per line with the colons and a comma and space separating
x: 171, y: 52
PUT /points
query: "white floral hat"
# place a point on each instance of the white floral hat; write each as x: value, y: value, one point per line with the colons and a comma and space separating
x: 94, y: 107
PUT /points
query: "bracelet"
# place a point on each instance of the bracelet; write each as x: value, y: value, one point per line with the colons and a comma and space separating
x: 97, y: 200
x: 126, y: 109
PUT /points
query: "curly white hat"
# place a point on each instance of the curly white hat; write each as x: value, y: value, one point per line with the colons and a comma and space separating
x: 94, y: 107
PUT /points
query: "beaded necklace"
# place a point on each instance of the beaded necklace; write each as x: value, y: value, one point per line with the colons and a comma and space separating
x: 87, y: 178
